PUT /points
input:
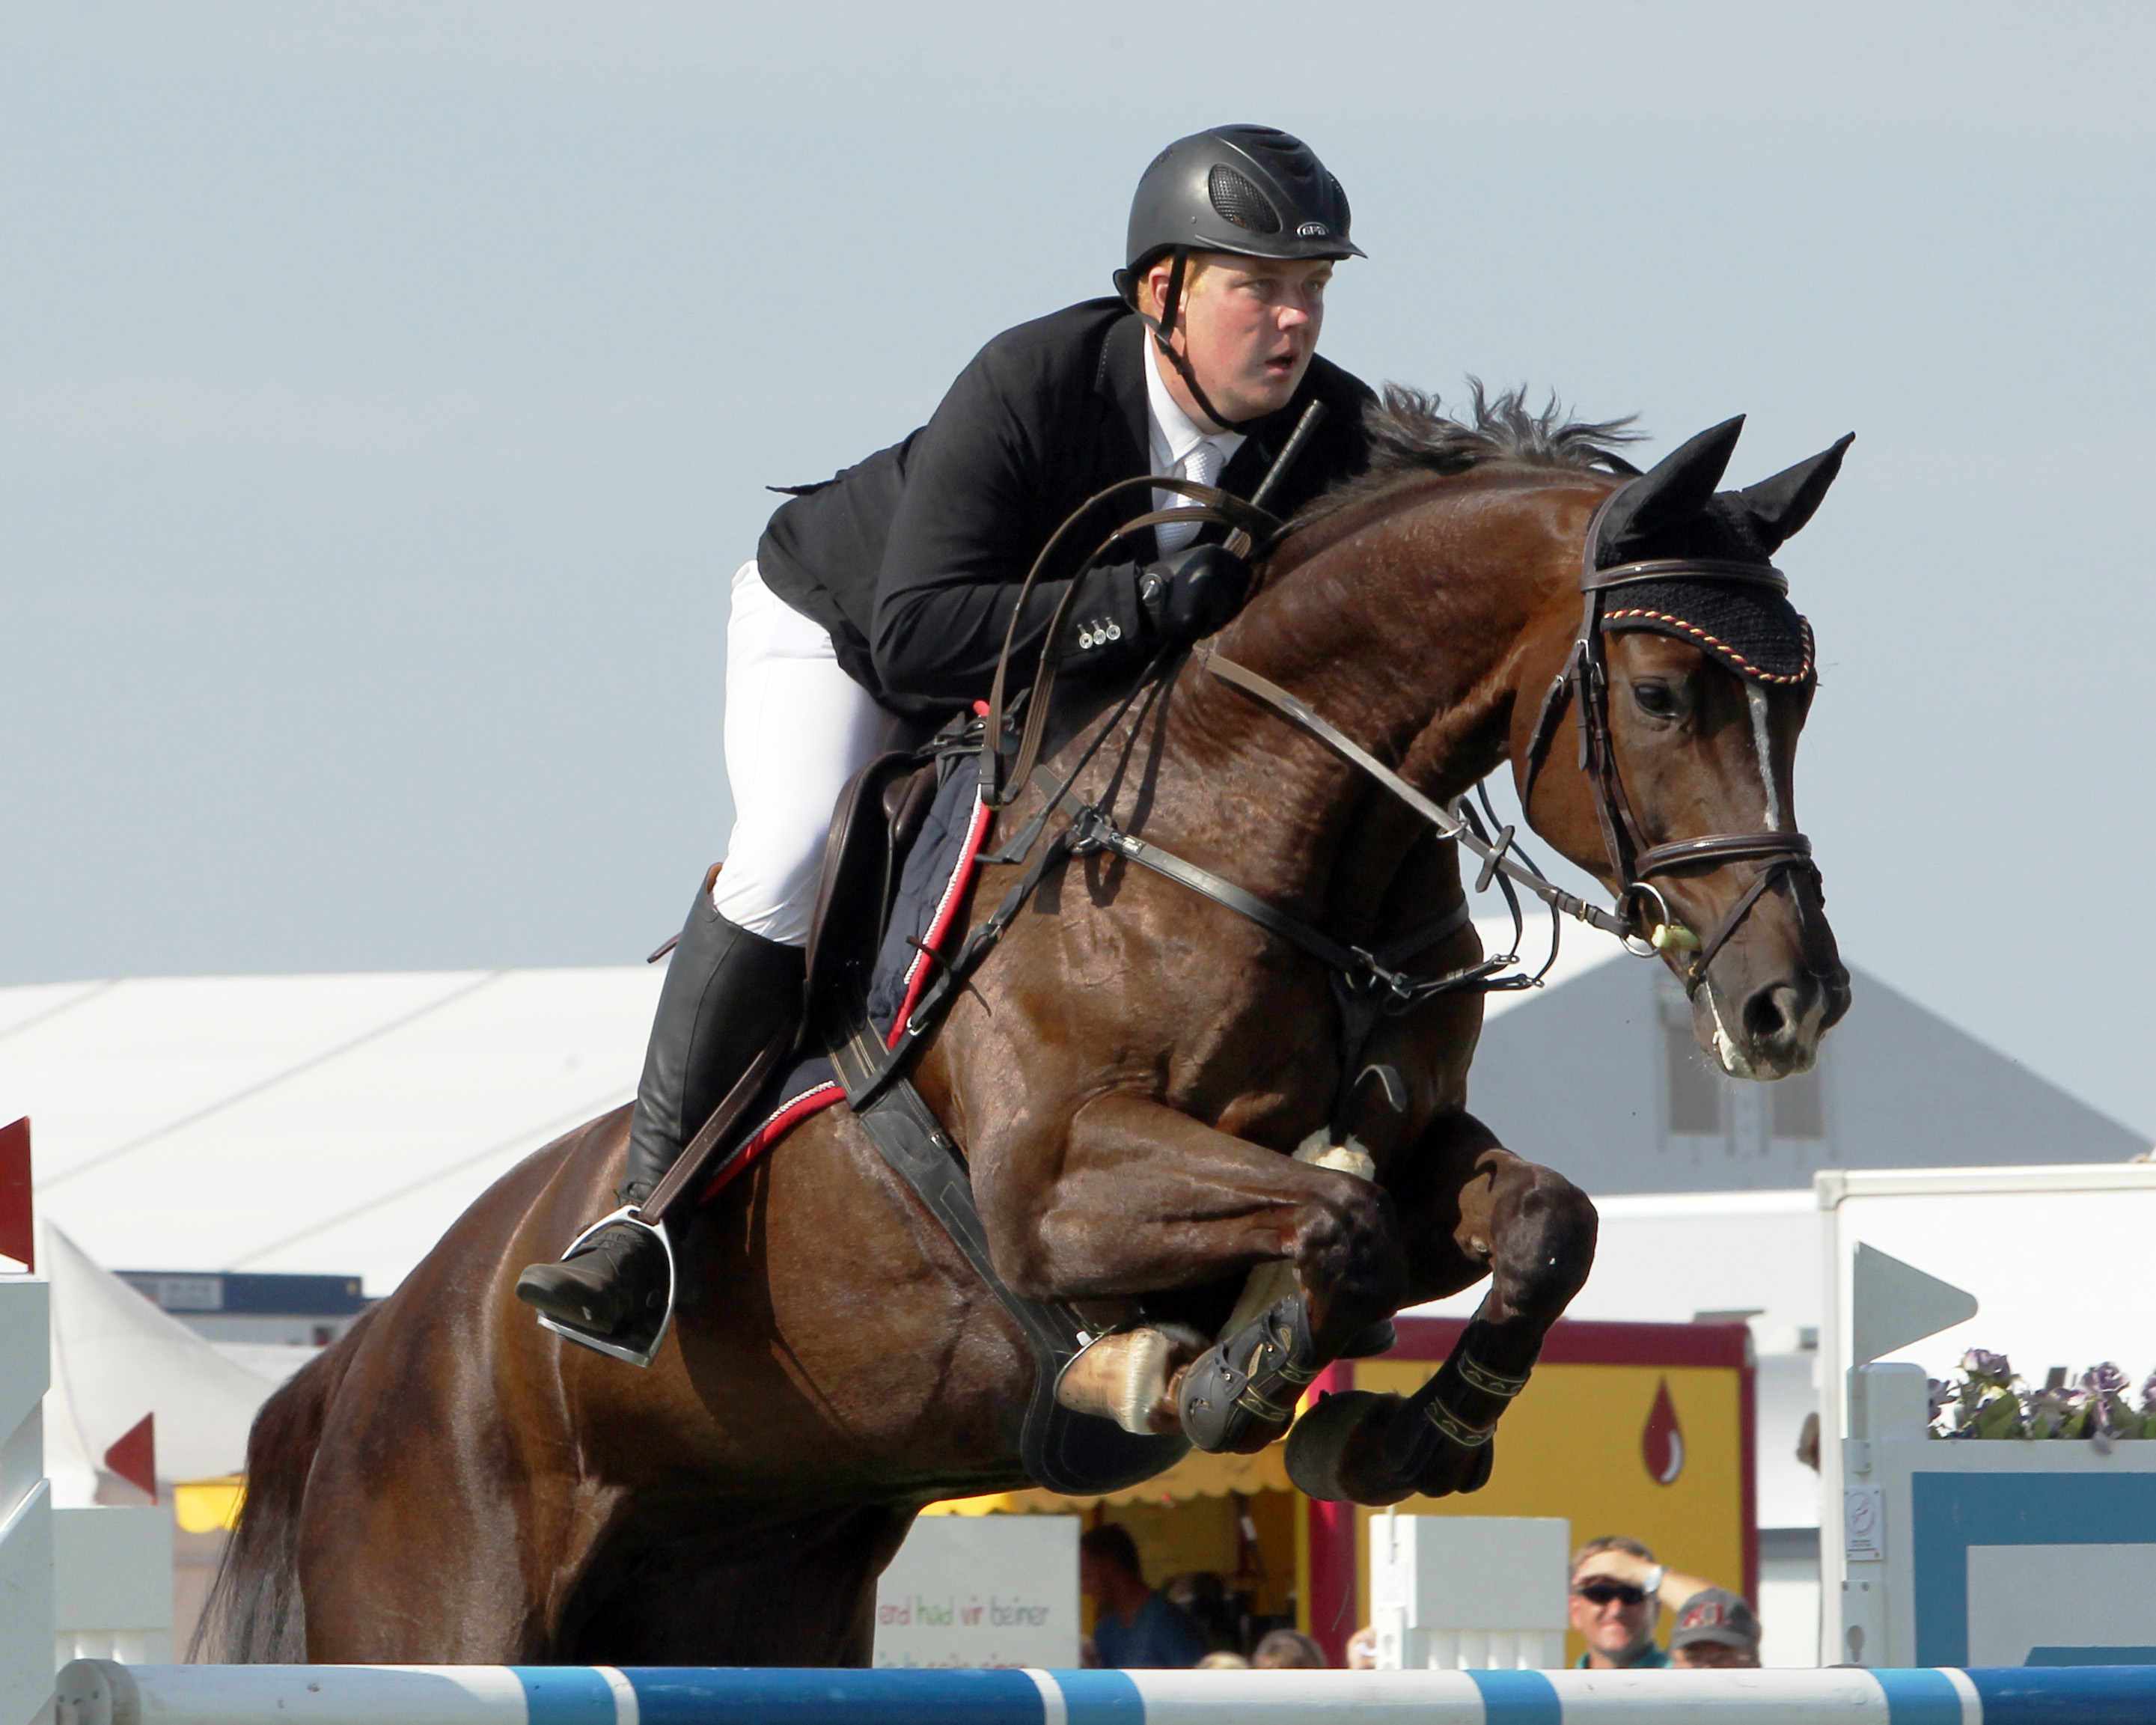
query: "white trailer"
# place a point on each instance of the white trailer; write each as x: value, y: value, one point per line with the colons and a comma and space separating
x: 1982, y: 1550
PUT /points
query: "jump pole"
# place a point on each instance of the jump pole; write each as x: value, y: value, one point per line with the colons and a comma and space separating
x: 95, y: 1691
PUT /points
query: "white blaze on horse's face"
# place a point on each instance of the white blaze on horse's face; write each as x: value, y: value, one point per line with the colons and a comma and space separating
x: 1762, y: 740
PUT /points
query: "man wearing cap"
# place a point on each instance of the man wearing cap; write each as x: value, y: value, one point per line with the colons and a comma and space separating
x: 880, y: 598
x: 1716, y: 1630
x: 1618, y: 1591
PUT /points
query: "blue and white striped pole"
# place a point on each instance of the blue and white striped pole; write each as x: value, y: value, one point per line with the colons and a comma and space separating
x: 99, y: 1693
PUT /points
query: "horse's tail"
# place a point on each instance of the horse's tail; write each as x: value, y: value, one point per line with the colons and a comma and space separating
x: 253, y: 1614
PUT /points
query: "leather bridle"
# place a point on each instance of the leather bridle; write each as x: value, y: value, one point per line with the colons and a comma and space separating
x: 1584, y: 682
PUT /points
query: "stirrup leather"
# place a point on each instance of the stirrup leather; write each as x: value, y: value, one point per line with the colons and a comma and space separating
x: 640, y: 1345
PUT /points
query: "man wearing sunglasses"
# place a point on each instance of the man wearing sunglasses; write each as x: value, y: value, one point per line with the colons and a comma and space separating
x: 1617, y: 1592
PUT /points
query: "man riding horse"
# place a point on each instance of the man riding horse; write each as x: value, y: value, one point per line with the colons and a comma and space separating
x: 1200, y: 1127
x: 882, y: 597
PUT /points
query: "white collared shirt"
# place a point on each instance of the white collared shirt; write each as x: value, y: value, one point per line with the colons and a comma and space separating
x: 1174, y: 435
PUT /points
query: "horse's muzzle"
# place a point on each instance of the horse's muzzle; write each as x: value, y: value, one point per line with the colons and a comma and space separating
x: 1779, y: 1023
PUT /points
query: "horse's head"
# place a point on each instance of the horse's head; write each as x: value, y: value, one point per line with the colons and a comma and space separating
x: 1686, y: 677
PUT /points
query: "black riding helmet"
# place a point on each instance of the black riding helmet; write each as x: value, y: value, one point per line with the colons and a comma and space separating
x: 1249, y: 190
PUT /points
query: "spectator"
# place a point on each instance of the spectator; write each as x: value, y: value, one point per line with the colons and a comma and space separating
x: 1202, y: 1596
x: 1363, y: 1649
x: 1716, y: 1630
x: 1134, y: 1628
x: 1618, y: 1592
x: 1223, y: 1662
x: 1289, y: 1651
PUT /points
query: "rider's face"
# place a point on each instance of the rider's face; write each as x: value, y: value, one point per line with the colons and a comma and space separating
x: 1247, y: 327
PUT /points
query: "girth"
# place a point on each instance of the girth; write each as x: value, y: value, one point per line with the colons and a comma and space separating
x: 1080, y: 1455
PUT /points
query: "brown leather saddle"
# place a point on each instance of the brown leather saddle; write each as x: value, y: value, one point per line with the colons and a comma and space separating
x: 878, y: 817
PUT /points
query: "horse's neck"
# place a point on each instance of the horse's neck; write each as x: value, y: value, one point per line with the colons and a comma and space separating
x: 1402, y: 635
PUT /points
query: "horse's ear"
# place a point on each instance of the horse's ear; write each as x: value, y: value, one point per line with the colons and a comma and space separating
x: 1669, y: 497
x: 1776, y: 508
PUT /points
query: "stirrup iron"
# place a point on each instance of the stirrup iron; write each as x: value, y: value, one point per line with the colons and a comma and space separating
x: 641, y: 1344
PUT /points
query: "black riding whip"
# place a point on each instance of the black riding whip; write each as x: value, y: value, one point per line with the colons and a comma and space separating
x: 1289, y: 451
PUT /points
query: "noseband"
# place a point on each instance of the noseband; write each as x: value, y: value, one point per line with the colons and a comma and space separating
x: 1585, y: 682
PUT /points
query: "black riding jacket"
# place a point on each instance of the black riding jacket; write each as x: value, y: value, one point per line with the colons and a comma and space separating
x: 913, y: 559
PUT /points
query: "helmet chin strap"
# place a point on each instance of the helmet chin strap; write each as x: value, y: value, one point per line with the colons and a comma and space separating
x: 1163, y: 327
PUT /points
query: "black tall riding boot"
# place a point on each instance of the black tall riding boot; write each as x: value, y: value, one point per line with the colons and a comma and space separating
x: 727, y: 992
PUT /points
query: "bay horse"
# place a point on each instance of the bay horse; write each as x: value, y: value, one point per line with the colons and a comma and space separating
x: 450, y: 1484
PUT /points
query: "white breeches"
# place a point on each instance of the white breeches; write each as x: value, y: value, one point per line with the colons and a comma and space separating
x: 796, y: 728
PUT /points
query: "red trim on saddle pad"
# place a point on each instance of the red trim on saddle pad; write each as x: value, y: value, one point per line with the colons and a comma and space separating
x: 788, y: 1115
x: 947, y: 912
x: 791, y: 1112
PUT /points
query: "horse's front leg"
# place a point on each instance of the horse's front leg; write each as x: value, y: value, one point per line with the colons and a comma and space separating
x: 1468, y: 1208
x: 1145, y: 1200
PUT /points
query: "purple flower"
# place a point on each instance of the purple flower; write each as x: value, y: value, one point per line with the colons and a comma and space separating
x: 2148, y: 1394
x: 2105, y: 1384
x: 1994, y: 1367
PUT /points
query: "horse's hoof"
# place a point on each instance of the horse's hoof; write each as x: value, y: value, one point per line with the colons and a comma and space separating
x: 1124, y: 1377
x: 1336, y: 1451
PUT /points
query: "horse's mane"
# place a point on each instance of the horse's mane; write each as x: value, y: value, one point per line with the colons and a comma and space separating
x: 1410, y: 435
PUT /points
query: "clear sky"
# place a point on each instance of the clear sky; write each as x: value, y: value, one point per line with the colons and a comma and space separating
x: 386, y: 390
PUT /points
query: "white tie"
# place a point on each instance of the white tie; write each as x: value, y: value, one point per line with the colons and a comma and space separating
x: 1201, y: 466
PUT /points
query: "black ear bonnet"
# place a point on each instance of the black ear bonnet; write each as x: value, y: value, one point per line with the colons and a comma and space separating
x: 1674, y: 512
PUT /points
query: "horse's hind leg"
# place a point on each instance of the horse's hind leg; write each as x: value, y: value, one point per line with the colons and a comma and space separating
x: 683, y: 1583
x: 1468, y: 1208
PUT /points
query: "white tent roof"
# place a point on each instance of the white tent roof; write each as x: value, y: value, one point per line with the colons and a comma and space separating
x: 116, y: 1358
x: 324, y: 1123
x: 336, y: 1123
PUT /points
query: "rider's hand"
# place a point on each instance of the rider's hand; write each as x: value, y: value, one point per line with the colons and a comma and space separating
x: 1193, y: 592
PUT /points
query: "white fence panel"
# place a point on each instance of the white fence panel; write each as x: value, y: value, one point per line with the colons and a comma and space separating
x: 26, y: 1515
x: 1462, y: 1592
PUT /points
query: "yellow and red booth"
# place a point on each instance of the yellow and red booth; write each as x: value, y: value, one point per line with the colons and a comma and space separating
x: 1644, y: 1429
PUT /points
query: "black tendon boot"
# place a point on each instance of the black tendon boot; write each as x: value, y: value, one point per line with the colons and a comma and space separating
x: 1439, y: 1437
x: 727, y: 993
x: 1241, y: 1394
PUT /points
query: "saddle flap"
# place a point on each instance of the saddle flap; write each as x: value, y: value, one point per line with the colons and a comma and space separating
x: 850, y: 902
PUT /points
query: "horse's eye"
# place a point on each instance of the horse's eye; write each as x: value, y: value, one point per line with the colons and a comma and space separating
x: 1654, y: 699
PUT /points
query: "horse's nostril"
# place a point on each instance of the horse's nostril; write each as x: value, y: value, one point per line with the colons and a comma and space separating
x: 1772, y: 1014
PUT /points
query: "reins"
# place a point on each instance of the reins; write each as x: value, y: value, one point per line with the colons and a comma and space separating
x: 1250, y: 526
x: 1449, y: 822
x: 1252, y: 523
